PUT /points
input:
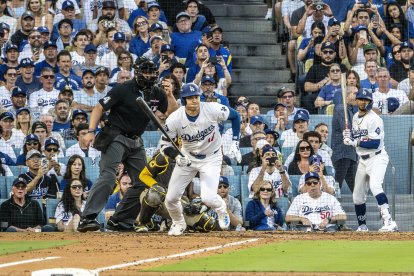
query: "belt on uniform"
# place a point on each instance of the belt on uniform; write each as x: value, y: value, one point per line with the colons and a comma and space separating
x: 366, y: 156
x: 202, y: 156
x: 131, y: 136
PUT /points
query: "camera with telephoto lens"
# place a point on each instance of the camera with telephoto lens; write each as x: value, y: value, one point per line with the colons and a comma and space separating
x: 272, y: 160
x: 318, y: 6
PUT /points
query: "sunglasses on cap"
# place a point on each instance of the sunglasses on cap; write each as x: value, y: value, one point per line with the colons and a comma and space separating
x: 266, y: 189
x: 307, y: 148
x: 314, y: 182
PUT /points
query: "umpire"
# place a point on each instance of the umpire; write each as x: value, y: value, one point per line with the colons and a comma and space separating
x: 120, y: 139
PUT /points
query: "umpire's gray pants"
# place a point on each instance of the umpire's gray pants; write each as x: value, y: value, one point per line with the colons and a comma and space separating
x: 122, y: 149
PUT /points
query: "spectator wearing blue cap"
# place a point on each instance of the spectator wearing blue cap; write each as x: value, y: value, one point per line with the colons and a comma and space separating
x: 262, y: 212
x: 32, y: 47
x: 399, y: 70
x: 315, y: 208
x: 184, y: 37
x: 44, y: 34
x: 68, y: 12
x: 140, y: 43
x: 26, y: 81
x: 257, y: 123
x: 86, y: 98
x: 384, y: 92
x: 198, y: 21
x: 154, y: 13
x: 109, y: 10
x: 27, y: 24
x: 125, y: 63
x: 44, y: 99
x: 271, y: 169
x: 10, y: 76
x: 142, y: 11
x: 167, y: 59
x: 292, y: 136
x: 208, y: 87
x: 12, y: 57
x: 18, y: 99
x: 157, y: 29
x: 50, y: 53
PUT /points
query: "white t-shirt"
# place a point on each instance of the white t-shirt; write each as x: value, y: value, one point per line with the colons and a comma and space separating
x: 61, y: 215
x: 76, y: 58
x: 316, y: 210
x: 275, y: 178
x: 81, y: 97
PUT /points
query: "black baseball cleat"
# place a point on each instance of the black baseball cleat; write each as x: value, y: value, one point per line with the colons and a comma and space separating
x: 86, y: 225
x: 118, y: 226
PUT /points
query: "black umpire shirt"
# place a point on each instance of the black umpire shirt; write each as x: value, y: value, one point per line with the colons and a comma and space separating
x: 125, y: 113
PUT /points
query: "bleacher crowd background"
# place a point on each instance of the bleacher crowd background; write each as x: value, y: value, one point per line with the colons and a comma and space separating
x: 58, y: 58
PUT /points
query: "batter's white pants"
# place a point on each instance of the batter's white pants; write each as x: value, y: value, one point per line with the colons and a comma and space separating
x: 209, y: 169
x: 370, y: 175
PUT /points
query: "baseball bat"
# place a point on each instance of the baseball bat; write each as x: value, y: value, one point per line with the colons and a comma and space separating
x: 141, y: 103
x: 343, y: 90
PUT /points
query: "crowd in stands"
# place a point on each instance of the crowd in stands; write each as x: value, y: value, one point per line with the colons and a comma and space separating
x: 59, y: 58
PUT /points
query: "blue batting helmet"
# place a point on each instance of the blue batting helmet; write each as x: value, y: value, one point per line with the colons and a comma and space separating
x: 188, y: 90
x: 393, y: 104
x: 365, y: 94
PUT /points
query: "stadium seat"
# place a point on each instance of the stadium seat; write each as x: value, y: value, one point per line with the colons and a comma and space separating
x: 245, y: 150
x: 283, y: 204
x: 234, y: 185
x: 17, y: 170
x: 92, y: 172
x: 17, y: 151
x: 101, y: 217
x: 294, y: 180
x: 237, y: 170
x: 286, y: 151
x: 151, y: 138
x: 70, y: 143
x: 51, y: 208
x: 3, y: 187
x: 64, y: 160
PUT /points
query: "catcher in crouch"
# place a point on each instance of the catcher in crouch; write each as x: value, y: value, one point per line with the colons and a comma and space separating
x: 157, y: 172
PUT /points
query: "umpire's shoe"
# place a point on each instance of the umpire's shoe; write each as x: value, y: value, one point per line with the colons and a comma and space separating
x: 86, y: 225
x: 118, y: 226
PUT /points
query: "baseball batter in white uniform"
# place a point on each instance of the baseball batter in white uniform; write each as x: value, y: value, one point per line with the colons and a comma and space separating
x: 197, y: 125
x: 368, y: 137
x: 315, y: 208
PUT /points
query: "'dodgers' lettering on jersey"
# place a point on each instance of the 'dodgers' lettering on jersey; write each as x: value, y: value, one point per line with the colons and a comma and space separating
x: 201, y: 135
x: 306, y: 210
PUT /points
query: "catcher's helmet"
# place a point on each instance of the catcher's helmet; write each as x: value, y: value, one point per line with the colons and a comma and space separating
x: 144, y: 65
x: 189, y: 89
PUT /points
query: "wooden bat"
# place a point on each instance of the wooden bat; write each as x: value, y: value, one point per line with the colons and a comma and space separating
x: 140, y: 101
x: 343, y: 91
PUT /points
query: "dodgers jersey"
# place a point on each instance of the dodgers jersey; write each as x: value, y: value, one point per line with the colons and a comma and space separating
x: 379, y: 98
x: 315, y: 210
x: 367, y: 128
x: 203, y: 135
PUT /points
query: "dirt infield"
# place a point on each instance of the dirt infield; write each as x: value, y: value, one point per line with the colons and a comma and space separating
x: 97, y: 250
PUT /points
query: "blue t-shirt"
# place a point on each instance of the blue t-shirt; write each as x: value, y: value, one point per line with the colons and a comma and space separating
x: 183, y: 41
x: 193, y: 71
x: 40, y: 65
x: 138, y: 47
x: 340, y: 8
x: 368, y: 85
x: 74, y: 81
x: 311, y: 52
x: 327, y: 92
x: 34, y: 86
x: 140, y: 12
x: 60, y: 126
x: 113, y: 200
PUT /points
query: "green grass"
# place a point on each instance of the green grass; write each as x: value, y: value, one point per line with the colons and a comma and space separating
x: 10, y: 247
x: 308, y: 256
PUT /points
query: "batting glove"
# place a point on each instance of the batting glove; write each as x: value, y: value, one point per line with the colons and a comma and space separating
x: 347, y: 133
x: 350, y: 142
x: 183, y: 161
x: 235, y: 150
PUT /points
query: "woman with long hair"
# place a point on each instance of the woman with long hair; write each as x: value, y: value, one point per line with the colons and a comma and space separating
x: 394, y: 14
x: 140, y: 43
x: 307, y: 46
x: 75, y: 169
x: 23, y: 121
x: 70, y: 208
x: 42, y: 17
x: 301, y: 163
x: 262, y: 212
x: 352, y: 79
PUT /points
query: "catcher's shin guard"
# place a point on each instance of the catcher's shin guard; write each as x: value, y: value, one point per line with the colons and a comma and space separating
x: 200, y: 222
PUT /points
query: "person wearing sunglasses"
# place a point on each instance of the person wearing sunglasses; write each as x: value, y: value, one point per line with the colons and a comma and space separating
x: 21, y: 213
x: 292, y: 136
x: 272, y: 170
x: 317, y: 76
x: 45, y: 98
x: 300, y: 163
x: 262, y: 212
x: 10, y: 76
x: 315, y: 209
x: 51, y: 152
x: 318, y: 166
x: 68, y: 210
x: 31, y: 142
x: 326, y: 94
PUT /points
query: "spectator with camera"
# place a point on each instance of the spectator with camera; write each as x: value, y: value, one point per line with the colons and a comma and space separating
x: 217, y: 46
x: 318, y: 11
x: 39, y: 184
x: 89, y: 63
x: 335, y: 36
x: 32, y: 48
x: 256, y: 123
x: 272, y: 170
x: 306, y: 49
x: 208, y: 86
x: 11, y: 60
x: 203, y: 59
x: 167, y: 59
x: 50, y: 152
x: 262, y: 212
x: 327, y: 181
x: 209, y: 69
x: 316, y: 209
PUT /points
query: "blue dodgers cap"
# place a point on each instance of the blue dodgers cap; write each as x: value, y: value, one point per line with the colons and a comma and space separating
x: 333, y: 21
x: 12, y: 47
x: 17, y: 91
x: 312, y: 175
x: 22, y: 109
x: 328, y: 45
x: 272, y: 132
x: 4, y: 25
x: 224, y: 180
x: 119, y: 36
x: 19, y: 180
x: 153, y: 5
x: 167, y: 47
x: 90, y: 47
x: 6, y: 115
x: 279, y: 104
x: 67, y: 4
x: 49, y: 44
x: 31, y: 137
x: 208, y: 78
x: 51, y: 141
x: 301, y: 115
x: 256, y: 119
x: 26, y: 62
x: 27, y: 14
x: 268, y: 149
x: 360, y: 28
x: 181, y: 14
x: 77, y: 112
x: 406, y: 44
x: 156, y: 26
x: 43, y: 30
x: 393, y: 104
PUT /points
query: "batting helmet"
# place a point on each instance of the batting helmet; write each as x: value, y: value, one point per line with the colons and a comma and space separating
x: 144, y: 65
x: 365, y: 94
x: 188, y: 90
x: 393, y: 104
